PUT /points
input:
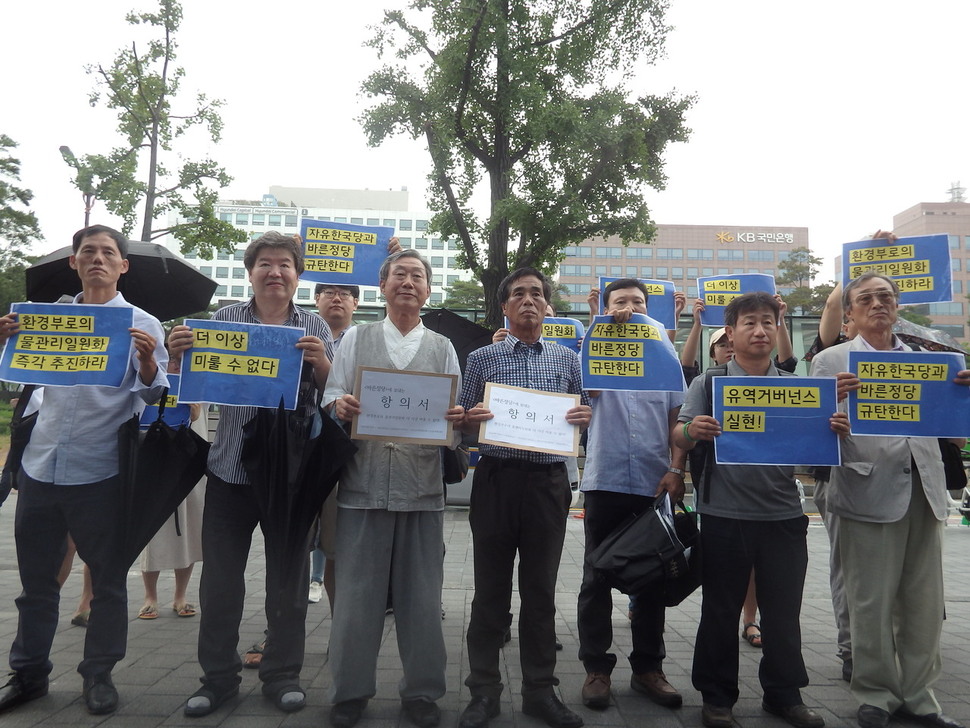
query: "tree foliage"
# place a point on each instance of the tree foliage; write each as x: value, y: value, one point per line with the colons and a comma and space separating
x: 464, y: 295
x: 18, y: 225
x: 799, y: 268
x: 145, y: 169
x: 912, y: 313
x: 527, y: 99
x: 808, y: 299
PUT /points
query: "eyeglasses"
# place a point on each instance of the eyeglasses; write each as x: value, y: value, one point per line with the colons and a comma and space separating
x: 336, y: 293
x: 886, y: 298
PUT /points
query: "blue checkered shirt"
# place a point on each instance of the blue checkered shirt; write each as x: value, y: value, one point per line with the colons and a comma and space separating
x: 549, y: 367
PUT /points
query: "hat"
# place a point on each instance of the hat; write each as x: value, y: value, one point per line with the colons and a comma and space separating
x: 715, y: 338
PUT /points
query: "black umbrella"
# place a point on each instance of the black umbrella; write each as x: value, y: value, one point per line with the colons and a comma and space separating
x: 927, y: 338
x: 293, y: 460
x: 158, y: 468
x: 158, y: 281
x: 466, y: 336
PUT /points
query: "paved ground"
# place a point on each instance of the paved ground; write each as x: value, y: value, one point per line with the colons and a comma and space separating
x: 160, y: 670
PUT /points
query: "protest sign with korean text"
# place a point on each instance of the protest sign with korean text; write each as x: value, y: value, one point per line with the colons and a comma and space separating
x: 343, y: 254
x: 530, y: 419
x: 61, y: 345
x: 403, y: 406
x: 242, y: 364
x: 565, y: 331
x: 909, y: 394
x: 636, y: 355
x: 718, y: 291
x: 775, y: 420
x: 919, y: 265
x: 175, y: 414
x: 660, y: 299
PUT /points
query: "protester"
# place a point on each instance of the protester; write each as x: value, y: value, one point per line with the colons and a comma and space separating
x: 629, y: 461
x: 519, y: 504
x: 69, y: 483
x: 751, y: 517
x: 274, y: 263
x: 890, y: 498
x: 390, y: 518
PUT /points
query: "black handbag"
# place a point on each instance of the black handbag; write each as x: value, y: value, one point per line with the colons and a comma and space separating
x: 20, y: 429
x: 645, y: 552
x: 956, y: 475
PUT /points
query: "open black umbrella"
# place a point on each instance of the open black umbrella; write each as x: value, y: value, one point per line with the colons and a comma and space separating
x: 466, y: 336
x: 927, y: 338
x: 158, y: 281
x: 158, y: 468
x: 293, y: 459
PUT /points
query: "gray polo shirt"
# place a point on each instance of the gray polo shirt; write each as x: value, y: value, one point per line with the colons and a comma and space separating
x: 744, y: 492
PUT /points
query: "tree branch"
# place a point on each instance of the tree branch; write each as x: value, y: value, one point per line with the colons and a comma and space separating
x: 596, y: 11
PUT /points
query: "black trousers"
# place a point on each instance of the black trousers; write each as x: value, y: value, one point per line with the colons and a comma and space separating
x: 46, y: 513
x: 605, y: 512
x: 231, y: 516
x: 779, y: 554
x: 516, y: 508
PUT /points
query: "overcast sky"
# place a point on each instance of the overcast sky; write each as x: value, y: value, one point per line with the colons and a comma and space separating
x: 831, y: 115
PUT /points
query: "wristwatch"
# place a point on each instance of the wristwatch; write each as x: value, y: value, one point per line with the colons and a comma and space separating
x: 676, y: 471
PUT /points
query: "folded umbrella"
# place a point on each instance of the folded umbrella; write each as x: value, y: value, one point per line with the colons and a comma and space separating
x: 466, y: 336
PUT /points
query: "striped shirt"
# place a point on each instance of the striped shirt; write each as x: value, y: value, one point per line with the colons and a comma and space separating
x: 547, y: 367
x: 224, y: 456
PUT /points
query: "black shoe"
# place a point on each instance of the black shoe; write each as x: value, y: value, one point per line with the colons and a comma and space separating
x: 423, y: 713
x: 347, y: 713
x: 205, y: 700
x: 716, y: 716
x: 869, y: 716
x: 18, y: 691
x: 937, y: 720
x: 800, y: 716
x: 478, y: 712
x: 287, y: 695
x: 100, y: 695
x: 847, y: 669
x: 558, y: 645
x: 552, y: 711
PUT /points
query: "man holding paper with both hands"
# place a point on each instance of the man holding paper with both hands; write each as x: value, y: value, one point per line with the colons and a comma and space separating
x: 519, y: 503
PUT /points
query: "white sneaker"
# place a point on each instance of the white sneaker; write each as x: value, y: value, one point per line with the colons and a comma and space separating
x: 316, y: 592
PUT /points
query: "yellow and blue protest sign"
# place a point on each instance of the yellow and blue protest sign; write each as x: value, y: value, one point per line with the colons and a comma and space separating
x: 175, y: 413
x: 343, y: 254
x: 565, y: 331
x: 660, y: 299
x: 775, y: 421
x: 908, y: 393
x: 60, y: 345
x: 634, y: 356
x: 718, y: 291
x: 920, y: 265
x: 241, y: 364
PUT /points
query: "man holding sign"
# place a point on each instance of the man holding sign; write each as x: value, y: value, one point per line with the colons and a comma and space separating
x: 69, y: 484
x: 274, y: 262
x: 390, y: 518
x: 890, y: 500
x: 519, y: 503
x: 629, y: 460
x: 751, y: 517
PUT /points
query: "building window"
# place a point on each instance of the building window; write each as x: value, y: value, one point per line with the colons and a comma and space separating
x: 954, y: 263
x: 670, y: 253
x: 222, y: 256
x: 206, y: 270
x: 737, y: 271
x: 437, y: 261
x: 275, y: 221
x: 616, y: 270
x: 436, y: 298
x: 389, y: 223
x: 437, y: 244
x: 600, y: 270
x: 692, y: 272
x: 421, y: 243
x: 338, y: 219
x: 958, y: 286
x: 639, y: 252
x: 954, y: 308
x: 420, y: 224
x: 452, y: 280
x: 630, y: 271
x: 436, y: 279
x: 710, y: 271
x: 237, y: 291
x: 676, y: 273
x: 406, y: 225
x: 955, y: 330
x: 692, y: 291
x: 370, y: 296
x: 729, y: 254
x: 609, y: 252
x: 452, y: 245
x: 259, y: 218
x: 694, y: 254
x: 225, y: 216
x: 646, y: 271
x: 238, y: 273
x: 452, y: 263
x: 222, y: 271
x: 661, y: 271
x: 240, y: 254
x: 954, y: 241
x: 290, y: 220
x: 191, y: 255
x: 762, y: 256
x: 303, y: 294
x: 373, y: 221
x: 220, y: 291
x: 242, y: 218
x: 356, y: 221
x: 405, y: 242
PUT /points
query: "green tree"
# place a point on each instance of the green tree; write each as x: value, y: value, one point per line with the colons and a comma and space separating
x: 912, y: 313
x: 527, y: 99
x: 18, y: 225
x: 808, y: 300
x: 465, y: 295
x: 799, y: 268
x: 142, y: 87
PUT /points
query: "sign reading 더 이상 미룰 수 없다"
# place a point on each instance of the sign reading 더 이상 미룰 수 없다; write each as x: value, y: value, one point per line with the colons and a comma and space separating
x: 253, y: 365
x: 718, y: 291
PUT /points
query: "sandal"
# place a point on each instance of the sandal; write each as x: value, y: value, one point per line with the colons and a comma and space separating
x: 254, y: 655
x: 753, y: 639
x: 287, y: 696
x: 149, y: 611
x: 81, y: 618
x: 205, y: 700
x: 184, y: 610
